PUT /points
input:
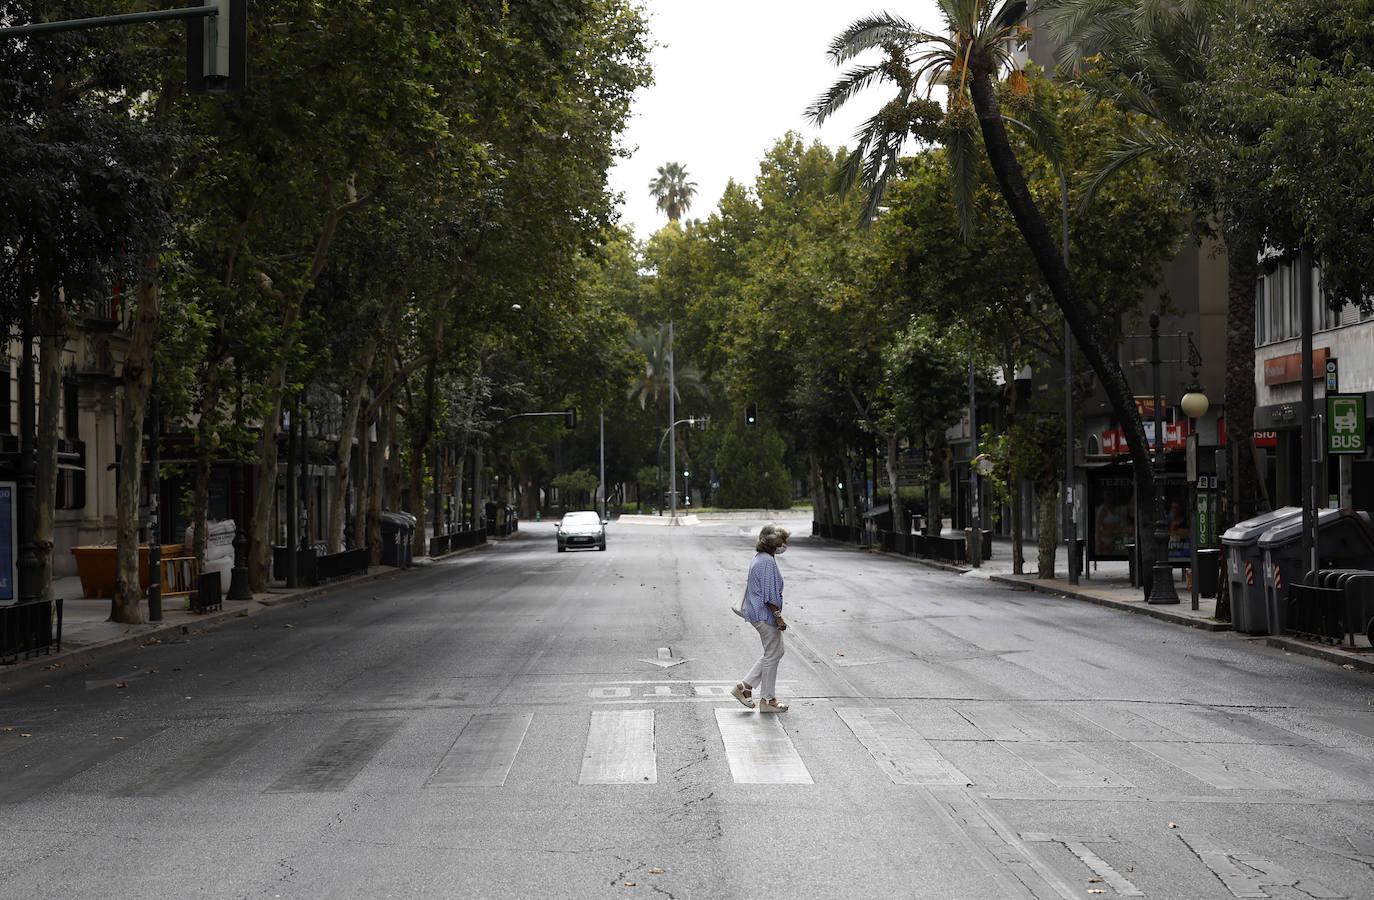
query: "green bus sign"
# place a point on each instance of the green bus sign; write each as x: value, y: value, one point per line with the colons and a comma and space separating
x: 1345, y: 423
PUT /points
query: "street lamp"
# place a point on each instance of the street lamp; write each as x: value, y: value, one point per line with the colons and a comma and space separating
x: 1162, y: 580
x: 1194, y: 405
x: 693, y: 421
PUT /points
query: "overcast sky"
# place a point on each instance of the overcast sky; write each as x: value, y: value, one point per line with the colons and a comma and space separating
x: 731, y: 77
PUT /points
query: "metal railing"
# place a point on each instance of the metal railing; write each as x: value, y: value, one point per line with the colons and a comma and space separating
x: 339, y: 565
x: 951, y: 549
x: 28, y: 628
x: 1337, y: 607
x: 443, y: 544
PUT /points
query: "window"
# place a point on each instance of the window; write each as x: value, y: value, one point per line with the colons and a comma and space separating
x: 71, y: 475
x: 71, y: 410
x: 1261, y: 313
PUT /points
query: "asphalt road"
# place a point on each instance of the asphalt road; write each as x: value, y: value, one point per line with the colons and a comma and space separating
x: 498, y: 726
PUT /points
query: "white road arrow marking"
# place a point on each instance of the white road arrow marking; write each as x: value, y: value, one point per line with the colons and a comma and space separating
x: 665, y: 659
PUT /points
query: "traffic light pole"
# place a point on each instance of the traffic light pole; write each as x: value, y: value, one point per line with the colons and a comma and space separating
x: 139, y: 18
x: 672, y: 430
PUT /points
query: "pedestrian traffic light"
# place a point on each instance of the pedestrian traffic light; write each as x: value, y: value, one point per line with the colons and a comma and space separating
x: 217, y: 48
x: 570, y: 418
x: 751, y: 414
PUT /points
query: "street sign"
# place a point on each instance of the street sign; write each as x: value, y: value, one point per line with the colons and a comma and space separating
x: 1345, y: 418
x: 1333, y: 377
x: 1206, y: 519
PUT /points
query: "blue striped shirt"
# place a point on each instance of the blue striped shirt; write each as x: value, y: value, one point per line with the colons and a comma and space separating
x: 764, y: 587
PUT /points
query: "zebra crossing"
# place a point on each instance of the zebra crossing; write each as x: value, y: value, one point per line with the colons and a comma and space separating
x: 621, y: 746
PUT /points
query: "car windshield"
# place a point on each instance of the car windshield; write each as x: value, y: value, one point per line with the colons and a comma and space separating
x: 581, y: 518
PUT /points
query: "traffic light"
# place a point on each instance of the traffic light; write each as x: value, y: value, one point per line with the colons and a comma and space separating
x: 570, y: 418
x: 751, y: 414
x: 217, y: 49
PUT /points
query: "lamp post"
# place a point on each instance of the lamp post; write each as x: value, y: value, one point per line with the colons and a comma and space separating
x: 1194, y: 404
x: 1162, y: 580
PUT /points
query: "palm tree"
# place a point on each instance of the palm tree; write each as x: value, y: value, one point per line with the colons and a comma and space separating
x: 672, y: 191
x: 969, y: 58
x: 652, y: 382
x: 1146, y: 57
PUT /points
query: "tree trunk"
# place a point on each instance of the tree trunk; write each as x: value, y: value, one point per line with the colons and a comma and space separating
x: 363, y: 485
x: 52, y: 340
x: 1031, y: 223
x: 1242, y: 272
x: 419, y: 500
x: 377, y: 498
x: 391, y: 496
x: 1048, y: 495
x: 1018, y: 525
x: 205, y: 448
x: 343, y: 456
x: 135, y: 381
x: 261, y: 539
x: 900, y: 522
x: 935, y: 470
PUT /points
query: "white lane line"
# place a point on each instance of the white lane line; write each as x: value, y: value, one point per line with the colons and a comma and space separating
x: 1064, y: 766
x: 902, y: 754
x: 485, y: 750
x: 758, y: 749
x: 1078, y: 846
x: 1205, y: 765
x: 620, y: 748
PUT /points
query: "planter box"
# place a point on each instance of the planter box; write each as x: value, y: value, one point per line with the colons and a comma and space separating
x: 96, y: 567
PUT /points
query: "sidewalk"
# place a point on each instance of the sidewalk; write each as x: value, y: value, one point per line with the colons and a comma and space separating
x: 87, y: 633
x: 1106, y: 584
x: 1109, y: 584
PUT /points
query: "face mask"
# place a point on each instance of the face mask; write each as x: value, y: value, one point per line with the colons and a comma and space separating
x: 780, y: 551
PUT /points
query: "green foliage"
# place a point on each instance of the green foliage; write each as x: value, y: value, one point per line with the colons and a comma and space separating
x: 672, y: 191
x: 752, y: 472
x: 1288, y: 107
x: 650, y: 481
x: 578, y: 486
x: 82, y: 190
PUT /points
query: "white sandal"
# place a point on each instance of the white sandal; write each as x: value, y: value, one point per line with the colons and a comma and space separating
x: 772, y: 706
x: 742, y: 694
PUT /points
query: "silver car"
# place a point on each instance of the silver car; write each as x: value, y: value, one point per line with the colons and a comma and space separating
x: 581, y: 529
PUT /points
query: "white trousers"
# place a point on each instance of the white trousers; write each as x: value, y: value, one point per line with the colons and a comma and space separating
x: 764, y: 676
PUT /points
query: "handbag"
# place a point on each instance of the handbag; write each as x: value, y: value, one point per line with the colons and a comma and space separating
x: 738, y: 606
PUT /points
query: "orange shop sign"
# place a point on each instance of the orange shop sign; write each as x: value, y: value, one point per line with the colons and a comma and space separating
x: 1288, y: 369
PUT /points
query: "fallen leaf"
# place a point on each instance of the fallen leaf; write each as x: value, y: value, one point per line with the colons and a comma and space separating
x: 656, y: 870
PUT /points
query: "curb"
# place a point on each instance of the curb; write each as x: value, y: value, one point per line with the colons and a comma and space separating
x: 1139, y: 609
x: 270, y: 601
x: 1330, y: 654
x: 953, y: 568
